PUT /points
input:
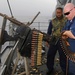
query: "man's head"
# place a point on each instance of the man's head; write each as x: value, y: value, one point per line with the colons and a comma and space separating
x: 59, y: 12
x: 69, y: 11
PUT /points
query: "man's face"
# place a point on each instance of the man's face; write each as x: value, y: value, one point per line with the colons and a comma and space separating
x: 59, y: 13
x: 68, y: 12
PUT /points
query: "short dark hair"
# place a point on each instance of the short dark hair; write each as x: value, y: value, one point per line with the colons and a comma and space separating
x: 59, y: 8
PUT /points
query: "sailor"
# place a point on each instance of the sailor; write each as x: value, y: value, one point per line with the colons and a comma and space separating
x: 69, y: 31
x: 54, y: 29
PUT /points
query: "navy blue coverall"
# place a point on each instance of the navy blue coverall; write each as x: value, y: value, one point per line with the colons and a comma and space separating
x: 70, y: 25
x: 52, y: 52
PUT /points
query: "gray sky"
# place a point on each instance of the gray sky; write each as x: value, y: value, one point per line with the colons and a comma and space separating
x: 28, y: 7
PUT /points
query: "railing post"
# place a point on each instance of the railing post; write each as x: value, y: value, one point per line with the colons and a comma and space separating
x: 38, y: 25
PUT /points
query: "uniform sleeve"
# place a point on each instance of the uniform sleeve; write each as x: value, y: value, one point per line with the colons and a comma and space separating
x: 49, y: 30
x: 73, y: 30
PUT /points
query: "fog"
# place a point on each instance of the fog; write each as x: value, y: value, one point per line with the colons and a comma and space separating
x: 28, y: 7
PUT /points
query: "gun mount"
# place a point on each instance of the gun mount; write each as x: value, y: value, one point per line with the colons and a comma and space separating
x: 20, y: 30
x: 28, y: 40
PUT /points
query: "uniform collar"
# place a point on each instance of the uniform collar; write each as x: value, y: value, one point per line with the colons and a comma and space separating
x: 72, y: 20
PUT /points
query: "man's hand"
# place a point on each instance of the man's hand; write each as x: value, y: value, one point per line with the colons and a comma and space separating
x: 68, y: 34
x: 64, y: 37
x: 47, y: 44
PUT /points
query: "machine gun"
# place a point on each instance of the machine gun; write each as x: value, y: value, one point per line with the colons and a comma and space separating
x: 23, y: 31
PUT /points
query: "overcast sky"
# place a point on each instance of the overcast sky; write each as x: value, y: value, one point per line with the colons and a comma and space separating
x: 28, y: 7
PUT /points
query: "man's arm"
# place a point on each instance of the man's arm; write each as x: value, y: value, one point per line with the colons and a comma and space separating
x: 49, y: 30
x: 69, y: 34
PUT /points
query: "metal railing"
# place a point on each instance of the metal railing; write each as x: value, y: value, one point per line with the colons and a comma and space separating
x: 42, y: 26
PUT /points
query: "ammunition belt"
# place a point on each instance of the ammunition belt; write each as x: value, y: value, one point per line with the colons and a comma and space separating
x: 69, y: 54
x: 30, y: 45
x: 36, y: 48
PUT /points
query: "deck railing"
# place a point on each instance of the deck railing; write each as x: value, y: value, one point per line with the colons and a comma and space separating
x: 42, y: 26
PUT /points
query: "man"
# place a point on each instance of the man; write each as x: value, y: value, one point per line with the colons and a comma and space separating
x: 69, y: 31
x: 54, y: 29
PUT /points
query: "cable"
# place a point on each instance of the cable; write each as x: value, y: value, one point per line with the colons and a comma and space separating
x: 10, y: 8
x: 63, y: 3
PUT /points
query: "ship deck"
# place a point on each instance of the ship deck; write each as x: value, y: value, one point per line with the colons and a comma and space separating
x: 39, y: 70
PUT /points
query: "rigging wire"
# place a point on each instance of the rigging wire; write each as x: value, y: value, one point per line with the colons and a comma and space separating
x: 11, y: 27
x: 10, y: 9
x: 66, y: 1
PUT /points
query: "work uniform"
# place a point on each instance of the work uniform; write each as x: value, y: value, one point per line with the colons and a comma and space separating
x: 54, y: 29
x: 70, y: 25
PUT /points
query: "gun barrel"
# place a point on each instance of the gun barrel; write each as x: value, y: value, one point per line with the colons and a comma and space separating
x: 35, y: 17
x: 12, y: 20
